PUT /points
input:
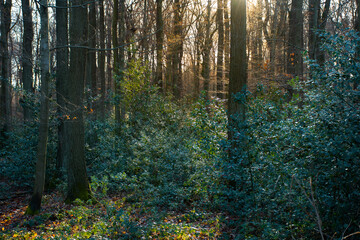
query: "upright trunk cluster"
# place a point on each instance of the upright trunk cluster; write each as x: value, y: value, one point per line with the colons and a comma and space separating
x: 317, y: 22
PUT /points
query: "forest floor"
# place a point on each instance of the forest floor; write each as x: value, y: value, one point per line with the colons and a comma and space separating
x: 111, y: 218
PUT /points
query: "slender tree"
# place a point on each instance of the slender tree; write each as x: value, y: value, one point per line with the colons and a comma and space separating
x: 220, y: 56
x: 74, y: 149
x: 101, y: 59
x: 35, y: 201
x: 91, y: 54
x: 206, y: 50
x: 159, y: 44
x: 227, y: 39
x: 27, y: 71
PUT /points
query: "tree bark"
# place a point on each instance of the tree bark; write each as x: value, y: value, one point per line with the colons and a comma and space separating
x: 5, y: 8
x: 91, y: 55
x: 238, y: 67
x: 314, y: 12
x: 62, y: 67
x: 296, y: 39
x: 35, y: 201
x: 177, y: 50
x: 206, y: 51
x: 226, y: 43
x: 159, y: 45
x: 74, y: 150
x: 101, y: 60
x: 27, y: 71
x: 220, y: 56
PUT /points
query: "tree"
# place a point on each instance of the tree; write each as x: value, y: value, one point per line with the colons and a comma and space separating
x: 206, y: 50
x: 238, y: 66
x: 101, y: 59
x: 74, y: 149
x: 159, y: 44
x: 91, y: 54
x: 27, y: 73
x: 35, y: 201
x: 317, y: 22
x: 175, y: 51
x: 62, y: 67
x: 220, y: 56
x: 296, y: 38
x: 5, y: 104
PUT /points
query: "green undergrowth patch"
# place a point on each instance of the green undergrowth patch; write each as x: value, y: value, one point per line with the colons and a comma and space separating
x: 115, y: 218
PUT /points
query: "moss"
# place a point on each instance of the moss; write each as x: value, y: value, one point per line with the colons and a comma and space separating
x: 31, y: 212
x: 79, y: 193
x: 34, y: 205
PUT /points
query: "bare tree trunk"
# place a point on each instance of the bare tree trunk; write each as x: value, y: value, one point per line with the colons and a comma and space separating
x: 177, y: 51
x: 35, y: 201
x: 101, y: 60
x: 62, y: 67
x: 159, y: 45
x: 74, y: 150
x: 238, y: 67
x: 115, y: 20
x: 27, y: 73
x: 206, y: 51
x: 122, y: 36
x: 296, y: 38
x: 220, y: 56
x: 91, y: 55
x: 227, y: 42
x: 314, y: 12
x: 145, y: 41
x: 5, y: 63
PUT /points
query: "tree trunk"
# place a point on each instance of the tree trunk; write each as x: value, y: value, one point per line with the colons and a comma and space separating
x: 35, y: 201
x: 227, y: 43
x: 357, y: 20
x: 74, y: 150
x: 238, y: 67
x: 62, y: 67
x: 296, y: 38
x: 101, y: 60
x: 91, y: 55
x: 177, y: 50
x: 206, y: 53
x: 314, y: 12
x: 5, y: 62
x: 159, y: 45
x: 220, y: 56
x: 27, y: 73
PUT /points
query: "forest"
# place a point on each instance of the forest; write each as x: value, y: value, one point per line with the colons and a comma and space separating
x: 180, y: 119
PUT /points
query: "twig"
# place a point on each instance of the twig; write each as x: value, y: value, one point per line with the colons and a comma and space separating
x: 355, y: 233
x: 312, y: 202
